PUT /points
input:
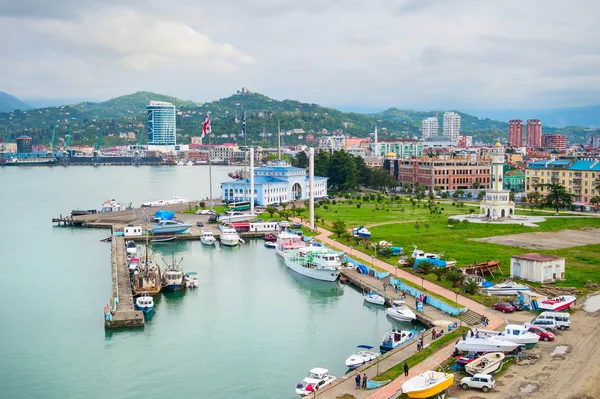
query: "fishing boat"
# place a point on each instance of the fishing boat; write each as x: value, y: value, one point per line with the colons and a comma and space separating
x: 393, y: 339
x: 230, y: 237
x: 130, y: 248
x: 173, y: 278
x: 557, y: 304
x: 145, y: 303
x: 515, y: 333
x: 170, y: 227
x: 485, y: 364
x: 288, y: 242
x: 207, y: 237
x: 191, y: 280
x: 147, y: 277
x: 374, y: 298
x: 486, y: 343
x: 363, y: 355
x: 427, y: 384
x: 506, y: 288
x: 361, y: 232
x: 400, y: 311
x: 315, y: 262
x: 270, y: 244
x: 317, y: 378
x: 110, y: 205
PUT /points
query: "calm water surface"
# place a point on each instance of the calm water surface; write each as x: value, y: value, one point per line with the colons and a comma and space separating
x: 253, y: 328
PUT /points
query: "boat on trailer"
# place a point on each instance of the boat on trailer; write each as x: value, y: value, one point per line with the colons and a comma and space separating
x: 557, y: 304
x: 486, y: 364
x: 427, y: 384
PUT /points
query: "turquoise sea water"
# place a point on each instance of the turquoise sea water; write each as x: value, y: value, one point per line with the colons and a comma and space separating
x: 253, y: 328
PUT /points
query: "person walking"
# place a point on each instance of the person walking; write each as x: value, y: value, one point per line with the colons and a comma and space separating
x: 364, y: 381
x: 405, y: 369
x: 433, y: 334
x: 384, y: 286
x: 424, y: 300
x: 464, y: 335
x: 357, y: 379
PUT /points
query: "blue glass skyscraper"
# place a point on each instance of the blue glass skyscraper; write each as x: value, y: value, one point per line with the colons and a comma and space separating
x: 161, y: 123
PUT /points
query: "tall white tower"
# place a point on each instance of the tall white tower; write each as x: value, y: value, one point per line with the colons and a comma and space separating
x: 497, y: 203
x: 452, y: 125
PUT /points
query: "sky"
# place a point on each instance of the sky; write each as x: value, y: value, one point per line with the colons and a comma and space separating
x: 346, y: 53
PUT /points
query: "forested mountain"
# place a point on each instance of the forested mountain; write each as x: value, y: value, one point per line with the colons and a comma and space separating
x: 9, y: 103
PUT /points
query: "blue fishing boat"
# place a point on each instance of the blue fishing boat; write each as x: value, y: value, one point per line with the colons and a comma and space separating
x: 145, y: 303
x: 173, y: 278
x: 170, y: 227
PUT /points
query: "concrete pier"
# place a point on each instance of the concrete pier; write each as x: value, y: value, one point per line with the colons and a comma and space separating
x: 125, y: 315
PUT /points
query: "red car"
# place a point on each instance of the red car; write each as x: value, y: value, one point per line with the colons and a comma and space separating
x: 504, y: 307
x: 544, y: 335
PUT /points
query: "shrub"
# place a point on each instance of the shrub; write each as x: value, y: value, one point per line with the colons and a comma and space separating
x: 202, y: 204
x: 334, y: 202
x: 358, y: 206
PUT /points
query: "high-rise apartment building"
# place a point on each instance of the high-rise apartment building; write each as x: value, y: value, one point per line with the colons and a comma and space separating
x: 554, y: 142
x: 452, y: 126
x: 515, y: 133
x: 161, y: 123
x: 431, y: 127
x: 534, y: 133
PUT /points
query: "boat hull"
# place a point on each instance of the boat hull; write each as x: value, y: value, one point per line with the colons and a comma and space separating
x: 207, y: 242
x: 399, y: 317
x: 145, y: 309
x: 170, y: 230
x: 376, y: 300
x: 230, y: 242
x: 173, y: 287
x: 431, y: 391
x: 323, y: 275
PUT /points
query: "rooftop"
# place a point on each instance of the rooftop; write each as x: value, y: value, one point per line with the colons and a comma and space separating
x: 537, y: 257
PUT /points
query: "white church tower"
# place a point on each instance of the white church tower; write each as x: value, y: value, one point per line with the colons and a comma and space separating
x: 497, y: 203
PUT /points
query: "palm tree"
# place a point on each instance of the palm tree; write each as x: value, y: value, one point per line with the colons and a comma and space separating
x: 596, y: 202
x: 455, y: 276
x: 426, y: 267
x: 470, y: 287
x: 439, y: 272
x: 558, y: 196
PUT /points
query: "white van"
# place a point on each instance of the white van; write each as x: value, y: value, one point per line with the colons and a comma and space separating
x: 563, y: 320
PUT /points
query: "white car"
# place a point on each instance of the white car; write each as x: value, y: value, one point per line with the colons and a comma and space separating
x: 485, y: 382
x: 548, y: 325
x: 204, y: 212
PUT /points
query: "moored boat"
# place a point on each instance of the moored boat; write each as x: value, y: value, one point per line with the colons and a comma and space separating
x: 147, y: 277
x: 230, y: 237
x: 486, y: 343
x: 506, y: 288
x: 170, y: 227
x: 315, y: 262
x: 270, y: 244
x: 110, y: 205
x: 130, y: 248
x: 145, y: 303
x: 270, y: 237
x: 393, y: 339
x: 374, y: 298
x: 400, y: 311
x: 427, y: 384
x: 191, y: 280
x: 287, y: 242
x: 363, y: 355
x: 207, y: 237
x: 557, y: 304
x: 485, y: 364
x: 317, y: 378
x: 174, y: 201
x: 173, y: 277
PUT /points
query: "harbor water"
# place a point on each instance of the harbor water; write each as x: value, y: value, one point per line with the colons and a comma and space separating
x: 252, y: 329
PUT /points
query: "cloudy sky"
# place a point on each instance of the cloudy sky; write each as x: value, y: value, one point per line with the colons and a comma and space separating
x: 345, y: 53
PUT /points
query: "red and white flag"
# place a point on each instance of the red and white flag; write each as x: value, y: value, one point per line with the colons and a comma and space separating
x: 206, y: 127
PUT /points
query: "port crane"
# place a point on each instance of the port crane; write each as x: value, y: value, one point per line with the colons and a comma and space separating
x: 97, y: 149
x: 65, y: 154
x: 51, y: 147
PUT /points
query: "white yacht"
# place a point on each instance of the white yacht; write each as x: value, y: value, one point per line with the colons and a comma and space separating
x: 507, y: 288
x: 230, y: 237
x: 174, y: 201
x: 486, y: 343
x: 418, y: 254
x: 235, y: 216
x: 207, y: 237
x: 374, y: 298
x: 363, y: 355
x: 315, y: 262
x: 393, y: 339
x: 400, y: 311
x: 287, y: 241
x: 317, y: 378
x: 515, y: 333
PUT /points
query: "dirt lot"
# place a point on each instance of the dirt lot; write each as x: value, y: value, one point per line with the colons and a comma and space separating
x: 556, y: 240
x: 568, y: 368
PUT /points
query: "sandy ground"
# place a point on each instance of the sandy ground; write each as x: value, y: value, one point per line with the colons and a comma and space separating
x: 571, y: 375
x: 556, y: 240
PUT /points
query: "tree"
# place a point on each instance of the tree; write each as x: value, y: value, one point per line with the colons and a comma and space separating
x: 455, y: 276
x: 403, y: 209
x: 387, y: 252
x: 426, y: 225
x: 339, y: 227
x: 475, y: 185
x: 271, y: 210
x: 426, y: 267
x: 558, y: 197
x: 300, y: 160
x: 419, y: 191
x: 284, y: 205
x: 596, y: 202
x: 481, y: 195
x: 469, y: 195
x: 439, y: 272
x: 321, y: 163
x: 470, y: 287
x: 284, y: 214
x: 418, y: 226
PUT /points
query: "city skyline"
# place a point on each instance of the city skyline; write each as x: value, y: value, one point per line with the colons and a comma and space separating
x: 465, y: 54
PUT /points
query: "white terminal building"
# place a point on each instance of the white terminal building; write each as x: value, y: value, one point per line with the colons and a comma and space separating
x: 274, y: 184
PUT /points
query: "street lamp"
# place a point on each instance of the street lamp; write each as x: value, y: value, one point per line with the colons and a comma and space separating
x: 351, y: 248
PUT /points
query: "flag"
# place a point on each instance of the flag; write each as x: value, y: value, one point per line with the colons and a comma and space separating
x: 244, y: 126
x: 206, y: 126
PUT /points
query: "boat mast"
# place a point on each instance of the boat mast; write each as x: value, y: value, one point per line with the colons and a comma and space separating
x: 209, y: 174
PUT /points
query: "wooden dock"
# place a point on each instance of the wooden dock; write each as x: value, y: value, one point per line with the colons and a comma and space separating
x: 125, y: 315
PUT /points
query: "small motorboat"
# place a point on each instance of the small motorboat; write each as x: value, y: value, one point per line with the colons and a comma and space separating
x: 157, y: 240
x: 468, y: 358
x: 428, y: 384
x: 133, y: 263
x: 207, y: 237
x: 191, y: 280
x: 374, y: 298
x: 400, y: 311
x: 145, y: 303
x: 130, y: 247
x: 270, y: 244
x: 515, y: 333
x: 486, y: 364
x: 557, y: 304
x: 284, y: 224
x: 270, y: 237
x: 170, y: 227
x: 361, y: 232
x: 485, y: 343
x: 316, y: 379
x: 507, y: 288
x: 363, y: 355
x: 393, y: 339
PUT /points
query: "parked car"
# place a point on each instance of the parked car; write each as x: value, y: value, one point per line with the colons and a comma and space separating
x: 204, y: 212
x: 504, y: 307
x: 200, y: 224
x: 544, y: 334
x: 549, y: 325
x: 485, y: 382
x: 517, y: 304
x: 297, y: 225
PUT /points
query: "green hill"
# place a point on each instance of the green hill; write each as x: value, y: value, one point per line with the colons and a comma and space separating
x: 10, y: 103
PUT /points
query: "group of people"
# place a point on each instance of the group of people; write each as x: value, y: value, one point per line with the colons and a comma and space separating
x: 357, y: 379
x: 484, y: 321
x: 420, y: 342
x: 436, y: 334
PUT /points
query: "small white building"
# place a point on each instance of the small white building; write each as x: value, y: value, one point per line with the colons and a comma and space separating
x: 539, y: 268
